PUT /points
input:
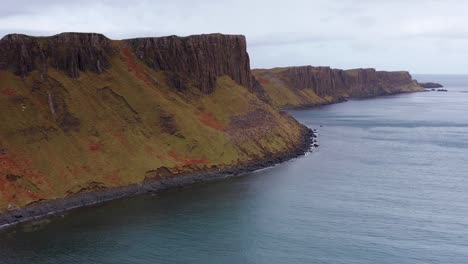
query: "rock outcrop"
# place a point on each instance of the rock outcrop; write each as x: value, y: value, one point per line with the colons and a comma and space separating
x: 308, y: 85
x: 71, y: 53
x: 430, y: 85
x: 201, y: 58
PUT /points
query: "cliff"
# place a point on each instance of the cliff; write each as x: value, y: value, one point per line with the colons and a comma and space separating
x: 201, y: 58
x: 309, y: 86
x: 69, y: 52
x: 81, y: 113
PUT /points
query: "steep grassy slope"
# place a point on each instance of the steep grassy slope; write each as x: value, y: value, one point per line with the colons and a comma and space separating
x: 310, y: 86
x: 80, y: 112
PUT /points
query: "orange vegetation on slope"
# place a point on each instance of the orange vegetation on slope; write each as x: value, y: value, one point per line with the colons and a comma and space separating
x: 8, y: 92
x: 209, y: 120
x: 186, y: 161
x: 16, y: 169
x: 94, y: 147
x: 262, y: 80
x: 133, y: 66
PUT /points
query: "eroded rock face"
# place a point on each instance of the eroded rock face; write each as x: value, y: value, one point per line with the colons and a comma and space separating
x: 202, y: 58
x: 195, y: 60
x: 72, y: 52
x: 68, y: 52
x: 20, y: 52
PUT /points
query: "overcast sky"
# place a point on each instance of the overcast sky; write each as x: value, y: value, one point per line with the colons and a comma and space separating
x: 422, y: 36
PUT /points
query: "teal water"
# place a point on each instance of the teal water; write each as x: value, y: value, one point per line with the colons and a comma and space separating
x: 388, y: 184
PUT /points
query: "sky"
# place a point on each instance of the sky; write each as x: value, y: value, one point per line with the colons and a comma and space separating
x: 422, y: 36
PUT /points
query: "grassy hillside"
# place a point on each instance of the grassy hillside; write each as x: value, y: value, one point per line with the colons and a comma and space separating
x: 63, y: 134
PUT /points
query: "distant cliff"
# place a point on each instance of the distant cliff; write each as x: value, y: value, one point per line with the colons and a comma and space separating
x: 309, y: 86
x: 431, y: 85
x: 201, y: 58
x: 81, y: 113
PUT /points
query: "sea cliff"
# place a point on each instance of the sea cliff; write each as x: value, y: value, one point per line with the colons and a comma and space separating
x: 84, y: 116
x: 312, y: 86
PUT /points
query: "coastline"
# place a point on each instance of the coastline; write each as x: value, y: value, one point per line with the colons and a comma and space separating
x: 50, y: 208
x: 343, y: 100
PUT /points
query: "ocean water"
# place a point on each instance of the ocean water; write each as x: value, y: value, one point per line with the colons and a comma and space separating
x: 388, y: 184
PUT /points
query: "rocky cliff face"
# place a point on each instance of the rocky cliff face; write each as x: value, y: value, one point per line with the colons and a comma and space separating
x: 68, y: 52
x: 194, y: 60
x: 201, y: 58
x: 81, y: 113
x: 308, y: 85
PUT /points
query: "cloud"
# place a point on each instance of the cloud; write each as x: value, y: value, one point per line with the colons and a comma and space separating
x: 399, y: 34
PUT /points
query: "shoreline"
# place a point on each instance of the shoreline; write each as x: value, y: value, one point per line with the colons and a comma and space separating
x: 50, y: 208
x: 343, y: 100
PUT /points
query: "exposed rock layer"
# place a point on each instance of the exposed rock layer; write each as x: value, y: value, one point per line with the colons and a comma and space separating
x: 200, y: 58
x: 69, y: 52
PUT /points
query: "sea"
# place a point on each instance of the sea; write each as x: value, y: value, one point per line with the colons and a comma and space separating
x: 388, y: 184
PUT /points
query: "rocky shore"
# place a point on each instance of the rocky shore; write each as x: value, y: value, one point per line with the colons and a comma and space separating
x: 50, y: 208
x: 341, y: 100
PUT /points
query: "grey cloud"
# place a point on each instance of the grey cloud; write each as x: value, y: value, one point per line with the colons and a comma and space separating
x: 399, y: 34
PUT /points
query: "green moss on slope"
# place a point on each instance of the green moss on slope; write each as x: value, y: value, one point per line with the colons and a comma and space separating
x: 62, y: 135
